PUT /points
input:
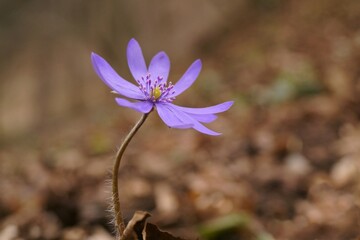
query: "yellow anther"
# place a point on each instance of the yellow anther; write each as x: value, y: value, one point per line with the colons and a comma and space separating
x: 156, y: 93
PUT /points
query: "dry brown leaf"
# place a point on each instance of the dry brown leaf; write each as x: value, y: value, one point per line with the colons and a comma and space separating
x: 137, y: 228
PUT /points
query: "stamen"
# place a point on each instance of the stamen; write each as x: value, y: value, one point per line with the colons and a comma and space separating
x: 156, y: 90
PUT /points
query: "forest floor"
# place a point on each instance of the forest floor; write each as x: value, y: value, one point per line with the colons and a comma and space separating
x: 286, y: 166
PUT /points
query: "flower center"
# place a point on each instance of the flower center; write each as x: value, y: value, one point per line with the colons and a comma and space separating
x: 156, y: 91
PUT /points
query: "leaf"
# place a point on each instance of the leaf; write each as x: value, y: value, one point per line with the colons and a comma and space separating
x: 218, y: 226
x: 134, y: 229
x: 152, y: 232
x: 139, y: 229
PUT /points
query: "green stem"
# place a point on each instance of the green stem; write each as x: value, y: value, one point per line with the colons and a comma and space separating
x: 119, y: 222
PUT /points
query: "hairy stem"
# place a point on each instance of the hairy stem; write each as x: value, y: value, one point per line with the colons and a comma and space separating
x: 119, y: 222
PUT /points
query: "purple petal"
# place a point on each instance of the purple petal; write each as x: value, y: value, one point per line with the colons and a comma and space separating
x: 205, y: 118
x: 160, y: 66
x: 136, y: 60
x: 185, y: 118
x: 113, y: 80
x: 201, y: 128
x: 140, y: 106
x: 197, y: 126
x: 222, y: 107
x: 188, y: 78
x: 169, y: 118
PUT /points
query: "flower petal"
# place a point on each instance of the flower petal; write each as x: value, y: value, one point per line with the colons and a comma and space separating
x: 185, y: 118
x: 140, y: 106
x: 222, y: 107
x: 201, y: 128
x: 113, y: 80
x: 170, y: 118
x: 188, y: 78
x: 136, y: 60
x: 160, y: 66
x: 205, y: 118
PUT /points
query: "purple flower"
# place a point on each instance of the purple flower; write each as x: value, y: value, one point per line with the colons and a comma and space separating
x: 153, y: 90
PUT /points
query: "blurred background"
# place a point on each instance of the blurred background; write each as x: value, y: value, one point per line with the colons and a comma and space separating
x: 286, y: 166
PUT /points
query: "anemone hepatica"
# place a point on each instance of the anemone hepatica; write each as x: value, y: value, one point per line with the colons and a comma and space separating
x: 154, y: 91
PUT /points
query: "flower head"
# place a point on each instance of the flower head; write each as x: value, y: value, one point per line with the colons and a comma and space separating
x: 154, y: 91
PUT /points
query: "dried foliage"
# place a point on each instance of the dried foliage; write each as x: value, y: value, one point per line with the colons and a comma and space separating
x: 286, y: 167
